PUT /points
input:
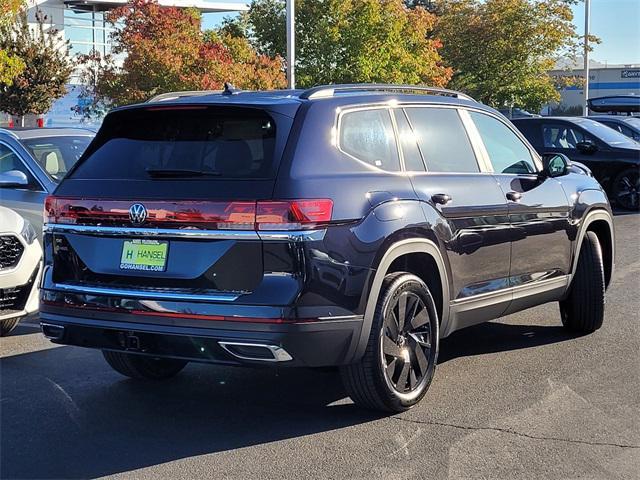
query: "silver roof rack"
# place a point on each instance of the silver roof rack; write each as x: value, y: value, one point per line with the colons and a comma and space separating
x: 326, y: 91
x: 167, y: 97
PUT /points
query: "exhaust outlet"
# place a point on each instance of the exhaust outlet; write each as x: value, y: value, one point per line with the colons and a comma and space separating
x: 256, y: 351
x: 52, y: 332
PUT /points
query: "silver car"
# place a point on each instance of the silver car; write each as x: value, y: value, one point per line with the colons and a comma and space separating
x: 32, y: 163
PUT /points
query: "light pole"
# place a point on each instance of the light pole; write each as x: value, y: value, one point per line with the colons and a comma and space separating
x: 291, y: 44
x: 587, y: 7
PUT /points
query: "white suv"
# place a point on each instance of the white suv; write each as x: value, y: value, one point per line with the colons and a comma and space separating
x: 20, y: 260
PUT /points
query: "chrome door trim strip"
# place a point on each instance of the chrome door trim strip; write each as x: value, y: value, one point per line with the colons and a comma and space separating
x: 518, y: 291
x: 146, y: 294
x: 192, y: 233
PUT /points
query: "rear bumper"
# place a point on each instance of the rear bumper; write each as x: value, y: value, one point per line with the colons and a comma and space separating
x: 309, y: 344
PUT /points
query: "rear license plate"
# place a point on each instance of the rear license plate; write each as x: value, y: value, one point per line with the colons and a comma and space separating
x: 145, y: 255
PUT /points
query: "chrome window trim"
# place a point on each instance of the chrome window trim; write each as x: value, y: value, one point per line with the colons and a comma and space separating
x: 145, y: 294
x: 266, y: 235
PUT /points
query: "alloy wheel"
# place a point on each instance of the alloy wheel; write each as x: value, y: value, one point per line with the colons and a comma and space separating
x: 628, y: 190
x: 406, y: 344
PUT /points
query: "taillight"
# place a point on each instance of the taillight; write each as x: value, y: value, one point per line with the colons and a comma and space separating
x: 241, y: 215
x: 293, y: 214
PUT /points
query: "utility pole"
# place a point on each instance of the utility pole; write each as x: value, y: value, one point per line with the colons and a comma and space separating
x: 587, y: 8
x: 291, y: 44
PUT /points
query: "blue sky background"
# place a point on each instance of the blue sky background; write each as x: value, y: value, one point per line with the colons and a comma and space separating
x: 616, y: 22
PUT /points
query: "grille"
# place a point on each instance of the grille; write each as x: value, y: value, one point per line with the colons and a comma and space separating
x: 10, y: 251
x: 16, y: 298
x: 9, y: 298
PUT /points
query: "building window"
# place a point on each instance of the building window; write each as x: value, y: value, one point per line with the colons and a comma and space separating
x: 87, y: 31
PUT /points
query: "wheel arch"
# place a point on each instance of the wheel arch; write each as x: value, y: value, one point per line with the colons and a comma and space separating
x: 420, y: 256
x: 600, y: 222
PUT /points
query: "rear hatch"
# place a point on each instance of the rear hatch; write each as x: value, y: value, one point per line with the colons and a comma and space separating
x: 166, y: 201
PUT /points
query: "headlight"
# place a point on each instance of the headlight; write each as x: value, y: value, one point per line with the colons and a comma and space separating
x: 28, y: 232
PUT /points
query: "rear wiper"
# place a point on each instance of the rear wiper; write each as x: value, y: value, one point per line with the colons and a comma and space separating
x: 180, y: 173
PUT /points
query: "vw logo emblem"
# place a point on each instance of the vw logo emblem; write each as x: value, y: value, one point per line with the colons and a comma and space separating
x: 137, y: 213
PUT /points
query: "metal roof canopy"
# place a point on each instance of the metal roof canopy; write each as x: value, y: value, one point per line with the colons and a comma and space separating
x: 202, y: 5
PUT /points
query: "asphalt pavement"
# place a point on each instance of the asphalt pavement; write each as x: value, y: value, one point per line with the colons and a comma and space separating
x: 517, y: 398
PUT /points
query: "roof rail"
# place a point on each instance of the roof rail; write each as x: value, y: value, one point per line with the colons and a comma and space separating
x: 326, y: 91
x: 167, y: 97
x: 9, y: 132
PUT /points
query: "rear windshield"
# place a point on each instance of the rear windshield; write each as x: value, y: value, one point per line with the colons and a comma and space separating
x: 179, y: 142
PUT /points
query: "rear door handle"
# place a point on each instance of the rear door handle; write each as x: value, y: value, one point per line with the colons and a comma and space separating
x: 514, y: 196
x: 441, y: 198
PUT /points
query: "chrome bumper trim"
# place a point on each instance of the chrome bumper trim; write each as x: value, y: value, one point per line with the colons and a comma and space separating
x: 145, y: 294
x: 274, y: 235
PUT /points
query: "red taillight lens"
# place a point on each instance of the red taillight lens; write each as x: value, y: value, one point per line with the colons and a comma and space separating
x: 293, y: 214
x: 250, y: 215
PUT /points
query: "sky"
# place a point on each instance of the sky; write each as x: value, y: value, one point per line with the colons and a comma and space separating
x: 616, y: 22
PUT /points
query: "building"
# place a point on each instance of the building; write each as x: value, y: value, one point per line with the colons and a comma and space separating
x: 603, y: 81
x: 82, y: 22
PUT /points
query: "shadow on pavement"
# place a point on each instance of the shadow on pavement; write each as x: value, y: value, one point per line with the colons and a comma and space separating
x: 65, y: 414
x: 495, y: 337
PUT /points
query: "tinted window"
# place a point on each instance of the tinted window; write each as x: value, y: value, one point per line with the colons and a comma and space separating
x: 56, y: 155
x: 410, y: 152
x: 9, y: 161
x: 217, y: 142
x: 508, y: 154
x: 604, y: 133
x: 563, y: 136
x: 442, y: 140
x: 368, y: 136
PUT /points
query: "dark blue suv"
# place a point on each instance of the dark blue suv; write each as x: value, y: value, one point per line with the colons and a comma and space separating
x: 345, y: 225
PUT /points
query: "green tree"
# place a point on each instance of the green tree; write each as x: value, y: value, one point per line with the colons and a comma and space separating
x: 501, y: 50
x: 165, y: 50
x: 10, y: 65
x: 47, y: 67
x: 350, y: 41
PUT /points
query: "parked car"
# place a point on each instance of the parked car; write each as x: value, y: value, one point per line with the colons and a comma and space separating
x: 626, y: 125
x: 20, y: 260
x: 613, y: 158
x: 345, y: 225
x: 32, y: 163
x: 516, y: 113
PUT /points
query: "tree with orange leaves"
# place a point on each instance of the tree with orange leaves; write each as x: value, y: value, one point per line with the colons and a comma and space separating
x: 163, y: 49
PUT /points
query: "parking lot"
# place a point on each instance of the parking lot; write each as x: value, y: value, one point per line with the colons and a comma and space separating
x: 514, y: 398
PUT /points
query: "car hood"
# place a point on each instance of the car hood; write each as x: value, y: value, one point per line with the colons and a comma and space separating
x: 10, y: 221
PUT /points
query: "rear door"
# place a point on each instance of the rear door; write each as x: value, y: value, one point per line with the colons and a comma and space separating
x: 538, y: 212
x: 448, y: 176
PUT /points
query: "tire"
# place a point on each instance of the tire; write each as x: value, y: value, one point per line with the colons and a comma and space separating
x: 7, y: 325
x: 142, y: 367
x: 583, y: 309
x: 626, y: 189
x: 378, y: 380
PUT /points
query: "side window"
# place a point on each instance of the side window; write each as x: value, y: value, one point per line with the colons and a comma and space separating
x: 507, y: 153
x: 442, y: 139
x: 9, y: 160
x: 412, y: 158
x: 563, y: 136
x: 368, y: 136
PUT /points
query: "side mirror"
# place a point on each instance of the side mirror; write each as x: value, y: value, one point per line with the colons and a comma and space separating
x: 555, y: 164
x: 13, y: 178
x: 587, y: 146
